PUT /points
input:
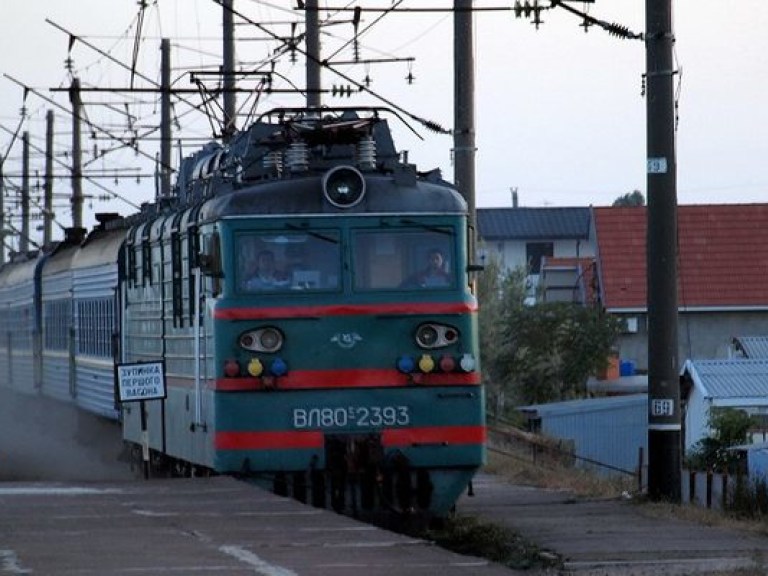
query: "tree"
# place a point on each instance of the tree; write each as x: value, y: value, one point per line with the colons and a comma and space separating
x: 554, y: 347
x: 634, y: 198
x: 497, y: 290
x: 728, y: 427
x: 539, y: 353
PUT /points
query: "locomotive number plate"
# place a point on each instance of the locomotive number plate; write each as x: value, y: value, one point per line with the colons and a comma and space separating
x: 351, y: 416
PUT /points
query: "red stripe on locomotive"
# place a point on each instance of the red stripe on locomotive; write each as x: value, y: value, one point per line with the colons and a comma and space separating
x: 352, y: 378
x: 391, y: 437
x: 253, y: 313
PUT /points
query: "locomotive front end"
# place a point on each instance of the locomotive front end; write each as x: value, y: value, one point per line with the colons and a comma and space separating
x: 344, y: 366
x: 333, y: 343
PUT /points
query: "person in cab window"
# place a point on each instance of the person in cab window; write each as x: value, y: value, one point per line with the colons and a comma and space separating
x: 434, y: 274
x: 263, y: 274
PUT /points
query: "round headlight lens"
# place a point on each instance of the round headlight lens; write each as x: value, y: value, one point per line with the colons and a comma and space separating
x: 270, y: 339
x: 267, y: 339
x: 431, y: 335
x: 426, y: 335
x: 343, y: 186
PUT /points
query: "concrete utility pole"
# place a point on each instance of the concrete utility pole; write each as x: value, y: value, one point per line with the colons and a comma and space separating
x: 48, y: 186
x: 77, y: 155
x: 24, y: 239
x: 230, y: 100
x: 664, y: 420
x: 165, y: 118
x: 312, y: 20
x: 464, y: 105
x: 2, y: 214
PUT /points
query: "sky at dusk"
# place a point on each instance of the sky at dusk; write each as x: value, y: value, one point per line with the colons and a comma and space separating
x: 560, y: 113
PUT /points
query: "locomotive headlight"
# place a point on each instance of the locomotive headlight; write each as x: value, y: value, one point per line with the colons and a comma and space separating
x: 426, y: 335
x: 267, y: 339
x: 432, y: 335
x: 270, y: 340
x: 343, y: 186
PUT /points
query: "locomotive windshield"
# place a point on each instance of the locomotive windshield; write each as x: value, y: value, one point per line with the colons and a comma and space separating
x: 280, y: 261
x: 404, y: 259
x: 398, y: 259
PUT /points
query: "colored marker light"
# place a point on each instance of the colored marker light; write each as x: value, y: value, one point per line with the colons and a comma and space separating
x: 426, y: 363
x: 231, y: 368
x: 447, y: 363
x: 279, y: 367
x: 406, y: 364
x: 467, y: 363
x: 255, y: 367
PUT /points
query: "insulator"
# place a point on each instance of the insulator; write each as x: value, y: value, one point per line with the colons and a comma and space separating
x: 297, y: 157
x: 619, y: 31
x: 366, y: 153
x: 273, y: 161
x: 435, y: 127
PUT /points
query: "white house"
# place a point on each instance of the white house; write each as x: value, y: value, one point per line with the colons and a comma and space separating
x: 733, y: 383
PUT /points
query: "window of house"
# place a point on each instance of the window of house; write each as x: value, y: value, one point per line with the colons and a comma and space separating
x: 534, y: 252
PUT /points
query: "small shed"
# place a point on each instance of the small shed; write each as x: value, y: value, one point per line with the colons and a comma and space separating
x: 740, y: 383
x: 607, y: 433
x: 751, y: 346
x: 757, y: 461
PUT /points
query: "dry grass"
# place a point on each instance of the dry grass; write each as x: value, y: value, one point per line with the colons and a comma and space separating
x: 551, y: 473
x: 703, y: 516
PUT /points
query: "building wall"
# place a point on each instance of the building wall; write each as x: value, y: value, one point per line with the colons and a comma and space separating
x: 512, y: 253
x: 700, y: 335
x: 607, y: 430
x: 696, y: 419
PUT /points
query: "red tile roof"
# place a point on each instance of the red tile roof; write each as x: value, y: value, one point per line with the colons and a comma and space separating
x: 722, y: 262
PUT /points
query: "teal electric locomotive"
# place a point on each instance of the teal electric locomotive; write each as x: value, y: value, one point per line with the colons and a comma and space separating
x: 310, y: 297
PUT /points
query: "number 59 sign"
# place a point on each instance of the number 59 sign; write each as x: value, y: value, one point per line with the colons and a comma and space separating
x: 662, y: 407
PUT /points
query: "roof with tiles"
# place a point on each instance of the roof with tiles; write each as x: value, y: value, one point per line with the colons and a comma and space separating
x: 722, y: 263
x: 745, y: 380
x: 533, y: 223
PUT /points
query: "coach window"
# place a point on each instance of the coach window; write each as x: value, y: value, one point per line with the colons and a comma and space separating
x: 56, y: 315
x: 288, y: 261
x: 146, y: 261
x: 404, y: 259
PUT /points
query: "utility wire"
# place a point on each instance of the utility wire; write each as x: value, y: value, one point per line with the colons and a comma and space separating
x: 69, y: 168
x: 15, y: 133
x: 429, y: 124
x: 612, y: 28
x: 364, y: 30
x: 131, y: 143
x: 111, y: 58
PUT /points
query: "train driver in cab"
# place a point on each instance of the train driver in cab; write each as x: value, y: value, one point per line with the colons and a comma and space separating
x: 434, y: 273
x: 262, y: 273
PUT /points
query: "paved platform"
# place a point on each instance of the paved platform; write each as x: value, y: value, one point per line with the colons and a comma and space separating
x: 612, y: 536
x: 200, y: 526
